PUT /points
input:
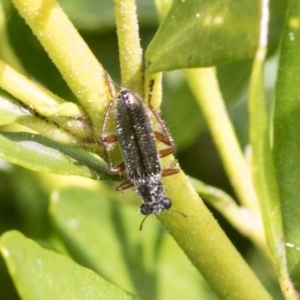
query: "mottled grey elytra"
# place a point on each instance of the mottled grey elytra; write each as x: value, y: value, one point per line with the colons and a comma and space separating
x: 137, y: 141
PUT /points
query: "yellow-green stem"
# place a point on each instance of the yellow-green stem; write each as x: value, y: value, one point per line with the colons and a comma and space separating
x: 204, y: 85
x: 75, y: 61
x: 130, y: 50
x: 206, y: 245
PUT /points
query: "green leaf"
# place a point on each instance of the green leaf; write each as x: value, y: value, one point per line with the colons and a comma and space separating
x: 6, y: 118
x: 41, y: 154
x: 204, y: 33
x: 10, y: 109
x: 287, y: 138
x: 44, y: 274
x: 233, y: 79
x: 278, y: 9
x: 262, y: 160
x: 104, y: 235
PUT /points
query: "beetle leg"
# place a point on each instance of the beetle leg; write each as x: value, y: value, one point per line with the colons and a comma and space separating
x: 125, y: 185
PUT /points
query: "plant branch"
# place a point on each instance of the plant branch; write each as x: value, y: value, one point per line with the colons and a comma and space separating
x: 206, y: 245
x: 204, y: 85
x: 130, y: 50
x: 75, y: 61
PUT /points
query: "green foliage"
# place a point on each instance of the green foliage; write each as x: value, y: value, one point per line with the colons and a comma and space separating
x: 53, y: 97
x: 27, y: 150
x: 219, y: 24
x: 25, y: 259
x: 286, y: 138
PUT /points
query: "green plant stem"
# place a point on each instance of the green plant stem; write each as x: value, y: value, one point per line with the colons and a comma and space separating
x: 206, y: 245
x: 130, y: 50
x: 68, y: 115
x: 156, y: 93
x: 241, y: 218
x: 204, y: 85
x: 75, y: 61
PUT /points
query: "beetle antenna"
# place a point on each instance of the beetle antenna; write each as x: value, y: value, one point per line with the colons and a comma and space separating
x: 179, y: 212
x: 141, y: 226
x: 172, y: 209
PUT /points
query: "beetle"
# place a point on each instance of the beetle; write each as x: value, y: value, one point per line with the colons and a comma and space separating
x: 141, y: 158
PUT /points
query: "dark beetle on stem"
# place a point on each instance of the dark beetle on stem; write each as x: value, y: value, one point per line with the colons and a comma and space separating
x: 141, y: 157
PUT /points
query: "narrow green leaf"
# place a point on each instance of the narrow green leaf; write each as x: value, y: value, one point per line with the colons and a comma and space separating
x: 234, y: 213
x: 10, y: 109
x: 262, y: 161
x: 287, y: 138
x: 204, y: 33
x: 6, y: 118
x: 38, y: 101
x: 41, y: 154
x: 64, y: 127
x: 264, y: 175
x: 104, y: 235
x: 44, y: 274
